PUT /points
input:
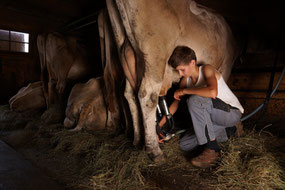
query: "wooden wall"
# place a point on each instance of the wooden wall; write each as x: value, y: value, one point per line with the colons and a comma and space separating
x: 250, y: 82
x: 19, y: 69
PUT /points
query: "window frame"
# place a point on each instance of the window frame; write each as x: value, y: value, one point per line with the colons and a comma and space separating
x: 10, y: 41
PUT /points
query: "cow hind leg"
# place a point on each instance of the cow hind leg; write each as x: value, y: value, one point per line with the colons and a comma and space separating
x: 148, y: 97
x: 133, y: 104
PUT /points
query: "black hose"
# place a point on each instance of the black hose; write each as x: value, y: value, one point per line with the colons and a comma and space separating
x: 272, y: 93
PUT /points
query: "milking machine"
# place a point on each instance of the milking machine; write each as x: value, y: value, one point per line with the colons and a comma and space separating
x: 166, y: 132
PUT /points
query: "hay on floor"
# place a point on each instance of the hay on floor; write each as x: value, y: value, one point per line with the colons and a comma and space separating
x: 249, y: 163
x: 110, y: 162
x: 105, y: 161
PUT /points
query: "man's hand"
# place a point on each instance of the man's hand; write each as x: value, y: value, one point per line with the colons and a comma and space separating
x: 178, y: 94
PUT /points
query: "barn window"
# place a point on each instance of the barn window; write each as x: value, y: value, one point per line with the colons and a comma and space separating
x: 14, y: 41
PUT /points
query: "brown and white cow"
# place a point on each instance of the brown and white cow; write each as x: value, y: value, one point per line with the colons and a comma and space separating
x: 63, y: 59
x: 86, y: 107
x: 28, y: 98
x: 146, y: 33
x: 114, y: 78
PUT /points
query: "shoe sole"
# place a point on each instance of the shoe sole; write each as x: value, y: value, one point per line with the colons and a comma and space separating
x: 203, y: 166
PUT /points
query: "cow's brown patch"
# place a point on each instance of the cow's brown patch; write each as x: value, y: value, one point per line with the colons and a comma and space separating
x: 153, y: 97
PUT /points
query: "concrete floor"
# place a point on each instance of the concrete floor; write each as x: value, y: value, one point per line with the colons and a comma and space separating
x: 16, y: 173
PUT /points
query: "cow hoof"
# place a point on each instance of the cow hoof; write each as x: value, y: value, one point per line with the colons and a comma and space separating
x: 137, y: 142
x: 159, y: 158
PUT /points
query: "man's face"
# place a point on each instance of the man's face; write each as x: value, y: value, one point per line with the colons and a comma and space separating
x: 185, y: 70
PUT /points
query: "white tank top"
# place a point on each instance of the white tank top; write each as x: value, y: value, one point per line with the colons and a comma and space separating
x: 224, y: 92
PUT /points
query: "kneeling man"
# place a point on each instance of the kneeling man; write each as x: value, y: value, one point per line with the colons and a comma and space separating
x: 214, y: 109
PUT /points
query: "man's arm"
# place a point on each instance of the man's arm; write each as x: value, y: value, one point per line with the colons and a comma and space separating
x: 210, y: 91
x: 174, y: 106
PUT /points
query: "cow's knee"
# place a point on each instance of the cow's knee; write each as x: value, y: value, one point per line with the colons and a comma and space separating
x: 142, y: 94
x: 151, y: 100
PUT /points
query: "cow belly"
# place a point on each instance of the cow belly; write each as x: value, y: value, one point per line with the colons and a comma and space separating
x: 78, y: 70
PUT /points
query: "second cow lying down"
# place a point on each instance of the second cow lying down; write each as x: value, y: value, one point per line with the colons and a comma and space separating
x: 86, y: 107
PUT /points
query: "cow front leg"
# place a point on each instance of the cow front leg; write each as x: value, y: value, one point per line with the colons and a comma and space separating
x: 133, y: 104
x: 54, y: 113
x: 148, y: 97
x: 52, y: 93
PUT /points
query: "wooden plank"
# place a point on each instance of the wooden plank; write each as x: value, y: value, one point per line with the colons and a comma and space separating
x: 253, y: 81
x: 259, y: 95
x: 276, y: 107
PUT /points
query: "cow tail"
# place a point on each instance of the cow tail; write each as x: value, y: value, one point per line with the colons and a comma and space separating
x: 44, y: 72
x: 104, y: 91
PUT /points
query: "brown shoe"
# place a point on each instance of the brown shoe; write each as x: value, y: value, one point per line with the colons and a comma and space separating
x: 207, y: 159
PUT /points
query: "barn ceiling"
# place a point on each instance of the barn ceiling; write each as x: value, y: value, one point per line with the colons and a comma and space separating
x: 59, y: 12
x: 259, y: 13
x: 50, y: 13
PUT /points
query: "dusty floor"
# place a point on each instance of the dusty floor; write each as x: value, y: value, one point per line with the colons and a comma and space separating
x: 68, y: 157
x: 17, y: 173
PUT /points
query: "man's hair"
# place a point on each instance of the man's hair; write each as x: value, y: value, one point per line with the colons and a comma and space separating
x: 181, y: 55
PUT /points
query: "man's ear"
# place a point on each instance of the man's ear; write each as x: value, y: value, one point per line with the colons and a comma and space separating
x: 193, y: 62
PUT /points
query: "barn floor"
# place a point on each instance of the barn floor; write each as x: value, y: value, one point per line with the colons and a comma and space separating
x: 84, y: 160
x: 18, y: 173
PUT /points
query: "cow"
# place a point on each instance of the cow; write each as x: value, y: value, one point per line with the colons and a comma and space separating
x: 114, y: 78
x: 86, y: 107
x: 146, y: 33
x: 28, y: 98
x: 84, y: 98
x: 64, y: 60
